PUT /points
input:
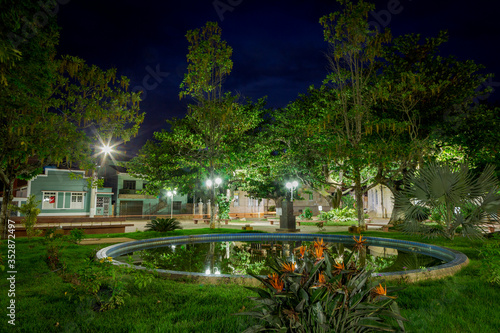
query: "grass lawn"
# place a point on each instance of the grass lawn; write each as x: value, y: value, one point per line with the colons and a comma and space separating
x: 462, y: 303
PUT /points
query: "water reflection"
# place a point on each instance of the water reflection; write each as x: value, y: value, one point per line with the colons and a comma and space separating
x: 242, y: 258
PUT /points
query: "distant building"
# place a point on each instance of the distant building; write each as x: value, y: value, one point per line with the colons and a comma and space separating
x: 64, y: 193
x: 380, y: 201
x: 130, y: 201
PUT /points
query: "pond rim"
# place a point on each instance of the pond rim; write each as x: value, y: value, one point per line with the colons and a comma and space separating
x: 455, y: 260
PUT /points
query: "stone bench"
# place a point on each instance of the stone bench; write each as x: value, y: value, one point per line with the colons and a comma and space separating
x: 385, y: 227
x: 207, y: 221
x: 273, y: 220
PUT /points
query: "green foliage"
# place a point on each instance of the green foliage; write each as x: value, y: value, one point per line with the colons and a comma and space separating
x: 102, y: 283
x: 307, y: 214
x: 76, y: 235
x: 209, y: 62
x: 318, y: 294
x: 271, y: 208
x: 224, y: 206
x: 163, y: 225
x: 348, y: 201
x: 50, y: 102
x: 30, y: 211
x: 346, y: 214
x: 54, y: 244
x: 461, y: 199
x: 490, y: 265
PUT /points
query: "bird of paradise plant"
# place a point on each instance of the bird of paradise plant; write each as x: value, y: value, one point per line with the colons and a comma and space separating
x: 360, y: 243
x: 276, y: 282
x: 288, y: 267
x: 379, y: 291
x: 322, y: 296
x: 302, y: 251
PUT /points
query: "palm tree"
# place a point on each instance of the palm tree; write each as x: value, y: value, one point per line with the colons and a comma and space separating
x: 454, y: 194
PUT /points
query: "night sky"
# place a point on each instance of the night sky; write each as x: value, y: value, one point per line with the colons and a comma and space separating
x: 278, y: 46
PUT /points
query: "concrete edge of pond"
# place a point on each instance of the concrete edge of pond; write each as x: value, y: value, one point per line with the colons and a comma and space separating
x: 456, y: 260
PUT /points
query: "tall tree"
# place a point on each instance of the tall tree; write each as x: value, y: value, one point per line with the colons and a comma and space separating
x: 354, y: 49
x: 57, y: 110
x: 207, y: 142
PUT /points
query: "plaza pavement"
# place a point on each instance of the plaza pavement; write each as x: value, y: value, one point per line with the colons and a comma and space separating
x: 255, y: 223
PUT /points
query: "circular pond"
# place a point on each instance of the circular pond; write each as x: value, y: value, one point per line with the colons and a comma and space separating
x: 219, y: 258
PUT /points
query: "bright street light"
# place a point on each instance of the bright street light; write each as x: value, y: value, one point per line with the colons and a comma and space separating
x: 171, y: 195
x: 292, y: 186
x: 106, y: 149
x: 218, y: 181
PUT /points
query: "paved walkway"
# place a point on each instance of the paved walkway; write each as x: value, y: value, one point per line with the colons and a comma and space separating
x: 255, y: 223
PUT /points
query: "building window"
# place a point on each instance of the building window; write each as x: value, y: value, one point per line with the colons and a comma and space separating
x: 76, y: 201
x: 129, y: 184
x: 311, y: 197
x: 100, y: 202
x: 49, y: 200
x: 236, y: 202
x: 376, y: 197
x: 177, y: 205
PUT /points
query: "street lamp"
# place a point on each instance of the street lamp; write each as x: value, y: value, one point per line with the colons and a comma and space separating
x: 292, y: 186
x: 218, y: 181
x: 171, y: 195
x: 209, y: 183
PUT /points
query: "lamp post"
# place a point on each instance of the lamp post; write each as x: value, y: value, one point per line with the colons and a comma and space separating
x: 171, y: 195
x: 216, y: 183
x: 106, y: 149
x: 292, y: 186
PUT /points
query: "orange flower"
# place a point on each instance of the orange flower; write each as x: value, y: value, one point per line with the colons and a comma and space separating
x: 380, y: 291
x: 321, y: 278
x: 276, y: 282
x: 288, y: 267
x: 302, y: 251
x: 359, y: 242
x: 339, y: 267
x: 318, y: 252
x: 319, y: 244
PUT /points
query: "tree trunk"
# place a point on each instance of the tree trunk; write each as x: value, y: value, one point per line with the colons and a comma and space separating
x: 8, y: 195
x: 358, y: 192
x: 278, y: 201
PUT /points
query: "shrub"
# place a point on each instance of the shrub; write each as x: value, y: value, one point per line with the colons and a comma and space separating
x: 307, y: 214
x: 163, y: 225
x: 100, y: 282
x: 345, y: 214
x: 76, y: 235
x: 271, y: 208
x: 318, y: 294
x: 30, y: 211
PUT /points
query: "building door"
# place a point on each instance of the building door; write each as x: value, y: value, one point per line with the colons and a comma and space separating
x: 105, y: 206
x: 130, y: 207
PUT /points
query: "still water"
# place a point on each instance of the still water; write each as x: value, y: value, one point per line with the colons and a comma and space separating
x: 241, y: 258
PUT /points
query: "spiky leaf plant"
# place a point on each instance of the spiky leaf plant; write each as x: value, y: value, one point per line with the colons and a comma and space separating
x: 163, y: 225
x: 453, y: 192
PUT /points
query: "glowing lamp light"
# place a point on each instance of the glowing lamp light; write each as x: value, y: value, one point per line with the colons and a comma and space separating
x: 218, y: 181
x: 107, y: 149
x: 292, y: 186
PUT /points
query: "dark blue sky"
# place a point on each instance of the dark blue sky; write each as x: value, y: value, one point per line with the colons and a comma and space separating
x: 278, y: 47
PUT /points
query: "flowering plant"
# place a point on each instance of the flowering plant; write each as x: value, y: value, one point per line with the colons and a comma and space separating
x: 317, y: 293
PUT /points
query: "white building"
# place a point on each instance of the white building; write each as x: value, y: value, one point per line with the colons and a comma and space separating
x: 380, y: 202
